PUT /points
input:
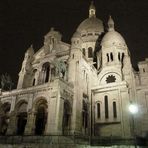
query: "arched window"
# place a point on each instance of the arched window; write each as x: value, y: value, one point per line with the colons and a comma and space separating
x: 98, y: 110
x: 90, y: 52
x: 83, y: 51
x: 122, y: 57
x: 45, y: 72
x: 33, y: 82
x: 34, y: 77
x: 114, y: 110
x: 111, y: 56
x: 89, y: 34
x: 106, y: 106
x: 107, y: 57
x: 83, y: 35
x: 119, y: 56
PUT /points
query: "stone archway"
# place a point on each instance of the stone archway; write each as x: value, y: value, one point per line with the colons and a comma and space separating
x: 5, y: 109
x: 66, y: 117
x: 21, y: 118
x: 41, y: 117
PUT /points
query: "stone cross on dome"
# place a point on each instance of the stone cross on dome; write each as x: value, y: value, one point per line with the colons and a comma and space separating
x: 110, y: 24
x: 92, y: 10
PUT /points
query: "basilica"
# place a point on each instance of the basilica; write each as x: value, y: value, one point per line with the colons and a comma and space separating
x: 82, y: 88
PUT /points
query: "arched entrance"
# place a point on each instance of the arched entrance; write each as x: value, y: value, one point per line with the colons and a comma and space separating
x: 41, y: 117
x: 21, y: 118
x: 66, y: 117
x: 4, y: 118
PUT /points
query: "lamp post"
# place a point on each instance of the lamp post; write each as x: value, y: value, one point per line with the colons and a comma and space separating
x: 133, y: 109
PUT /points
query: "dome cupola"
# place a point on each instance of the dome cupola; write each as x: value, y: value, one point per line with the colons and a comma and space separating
x: 92, y: 24
x: 110, y: 24
x: 92, y: 10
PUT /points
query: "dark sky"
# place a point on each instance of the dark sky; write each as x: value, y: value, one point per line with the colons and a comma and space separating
x: 25, y: 22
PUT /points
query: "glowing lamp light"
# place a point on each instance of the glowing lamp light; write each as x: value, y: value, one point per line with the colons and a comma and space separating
x: 133, y: 108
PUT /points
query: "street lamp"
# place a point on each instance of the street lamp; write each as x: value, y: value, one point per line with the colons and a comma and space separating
x: 133, y: 109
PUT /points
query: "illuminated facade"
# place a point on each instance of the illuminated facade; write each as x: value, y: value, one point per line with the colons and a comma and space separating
x: 79, y: 88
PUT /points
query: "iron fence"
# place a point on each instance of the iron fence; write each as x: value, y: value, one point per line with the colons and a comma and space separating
x: 71, y: 139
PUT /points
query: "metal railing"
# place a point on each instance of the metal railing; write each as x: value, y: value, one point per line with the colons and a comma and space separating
x: 36, y: 139
x: 71, y: 139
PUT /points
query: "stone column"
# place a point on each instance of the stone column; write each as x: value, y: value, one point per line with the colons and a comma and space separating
x: 30, y: 126
x: 13, y: 99
x: 12, y: 124
x: 40, y: 75
x: 48, y: 124
x: 51, y: 77
x: 37, y: 75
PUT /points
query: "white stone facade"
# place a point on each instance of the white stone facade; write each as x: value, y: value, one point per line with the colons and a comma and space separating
x: 81, y: 88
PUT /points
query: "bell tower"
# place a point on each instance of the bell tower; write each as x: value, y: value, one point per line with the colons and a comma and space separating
x: 25, y: 70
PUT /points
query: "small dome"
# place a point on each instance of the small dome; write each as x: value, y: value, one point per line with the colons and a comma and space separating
x: 91, y: 24
x: 76, y: 35
x: 113, y: 38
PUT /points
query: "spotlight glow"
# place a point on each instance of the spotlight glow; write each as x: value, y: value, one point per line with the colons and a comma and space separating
x: 133, y: 108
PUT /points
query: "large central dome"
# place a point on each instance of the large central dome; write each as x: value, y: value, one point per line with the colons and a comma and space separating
x: 91, y: 24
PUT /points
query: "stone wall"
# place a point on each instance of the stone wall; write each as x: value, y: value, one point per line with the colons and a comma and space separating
x: 63, y: 146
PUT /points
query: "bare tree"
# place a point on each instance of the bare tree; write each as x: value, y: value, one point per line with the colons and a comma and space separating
x: 6, y: 82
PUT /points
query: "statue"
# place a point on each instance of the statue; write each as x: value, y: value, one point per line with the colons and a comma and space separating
x: 60, y: 68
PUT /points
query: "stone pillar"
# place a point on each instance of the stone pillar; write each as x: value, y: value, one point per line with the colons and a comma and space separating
x: 13, y: 99
x: 39, y: 79
x: 30, y: 126
x: 48, y: 124
x: 52, y: 73
x: 12, y: 124
x: 49, y: 79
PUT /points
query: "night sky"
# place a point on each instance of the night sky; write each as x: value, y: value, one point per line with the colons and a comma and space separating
x: 25, y: 22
